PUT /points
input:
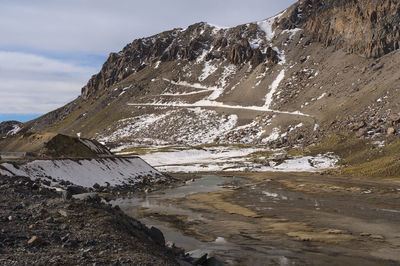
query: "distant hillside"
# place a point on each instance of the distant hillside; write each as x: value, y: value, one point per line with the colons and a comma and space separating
x: 316, y: 68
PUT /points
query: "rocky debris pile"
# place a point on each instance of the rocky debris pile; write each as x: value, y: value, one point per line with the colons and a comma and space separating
x: 38, y: 227
x: 371, y: 126
x: 250, y: 133
x: 67, y: 189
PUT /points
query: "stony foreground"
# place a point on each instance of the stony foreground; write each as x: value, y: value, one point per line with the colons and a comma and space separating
x: 39, y: 227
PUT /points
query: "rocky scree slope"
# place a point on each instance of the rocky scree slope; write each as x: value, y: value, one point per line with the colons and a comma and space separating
x: 315, y: 68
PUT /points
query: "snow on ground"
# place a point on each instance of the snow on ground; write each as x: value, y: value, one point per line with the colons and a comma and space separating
x: 190, y: 85
x: 14, y: 131
x: 203, y: 55
x: 196, y: 126
x: 209, y: 133
x: 157, y: 64
x: 123, y: 90
x: 87, y: 172
x: 208, y: 103
x: 307, y: 163
x: 379, y: 144
x: 292, y: 32
x: 5, y: 173
x: 272, y: 89
x: 281, y: 56
x: 184, y: 93
x: 266, y: 26
x: 275, y: 134
x: 134, y: 124
x: 217, y: 92
x: 197, y: 156
x: 207, y: 70
x: 249, y: 132
x: 217, y: 28
x: 295, y: 127
x: 98, y: 149
x: 231, y: 158
x: 255, y: 42
x: 228, y: 71
x: 322, y: 96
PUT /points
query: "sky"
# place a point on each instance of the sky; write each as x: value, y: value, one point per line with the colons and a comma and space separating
x: 49, y: 49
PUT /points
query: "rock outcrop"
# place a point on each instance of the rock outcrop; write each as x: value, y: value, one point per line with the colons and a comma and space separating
x: 200, y: 40
x: 367, y: 27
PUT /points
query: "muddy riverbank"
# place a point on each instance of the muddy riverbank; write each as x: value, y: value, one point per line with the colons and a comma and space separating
x: 279, y: 218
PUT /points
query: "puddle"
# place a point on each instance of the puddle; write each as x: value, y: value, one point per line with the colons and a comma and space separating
x: 231, y: 253
x: 158, y: 201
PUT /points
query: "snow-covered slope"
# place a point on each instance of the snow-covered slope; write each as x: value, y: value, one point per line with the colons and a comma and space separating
x: 87, y: 172
x: 235, y: 159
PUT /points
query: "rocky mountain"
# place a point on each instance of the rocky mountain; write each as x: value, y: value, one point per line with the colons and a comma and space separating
x: 316, y: 68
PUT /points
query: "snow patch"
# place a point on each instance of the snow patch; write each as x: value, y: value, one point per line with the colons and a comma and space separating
x: 275, y: 134
x: 15, y: 130
x: 228, y: 71
x: 231, y: 158
x: 87, y: 172
x: 292, y: 32
x: 207, y: 71
x: 266, y: 26
x: 157, y: 64
x: 272, y: 89
x: 322, y: 96
x: 281, y: 56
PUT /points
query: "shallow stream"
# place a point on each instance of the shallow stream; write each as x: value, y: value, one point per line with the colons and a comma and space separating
x: 158, y: 202
x: 300, y: 219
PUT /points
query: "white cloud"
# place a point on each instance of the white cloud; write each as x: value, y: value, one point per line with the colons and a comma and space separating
x: 36, y: 84
x: 102, y: 26
x: 16, y: 61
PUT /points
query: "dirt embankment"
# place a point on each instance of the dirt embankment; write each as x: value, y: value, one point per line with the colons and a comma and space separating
x: 39, y: 227
x: 52, y: 145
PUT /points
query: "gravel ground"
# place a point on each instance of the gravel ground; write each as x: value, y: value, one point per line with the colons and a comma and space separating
x: 39, y: 227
